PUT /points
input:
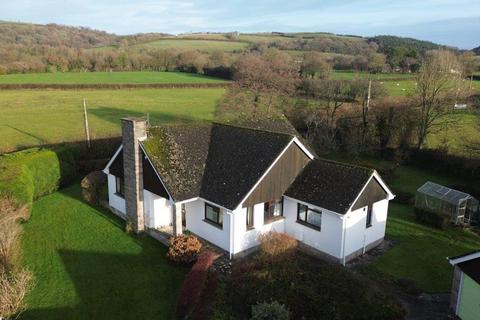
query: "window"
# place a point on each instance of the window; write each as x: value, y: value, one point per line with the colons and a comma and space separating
x: 309, y: 217
x: 272, y: 210
x: 119, y: 186
x: 369, y: 216
x: 213, y: 214
x: 250, y: 217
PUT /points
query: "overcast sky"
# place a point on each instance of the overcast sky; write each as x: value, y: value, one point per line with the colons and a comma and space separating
x: 451, y: 22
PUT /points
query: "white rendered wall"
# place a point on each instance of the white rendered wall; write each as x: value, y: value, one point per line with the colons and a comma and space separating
x: 158, y: 210
x: 195, y: 216
x: 327, y: 240
x: 114, y: 200
x: 358, y: 235
x: 244, y: 239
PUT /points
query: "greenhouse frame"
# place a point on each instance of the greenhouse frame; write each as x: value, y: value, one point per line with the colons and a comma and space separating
x: 459, y: 206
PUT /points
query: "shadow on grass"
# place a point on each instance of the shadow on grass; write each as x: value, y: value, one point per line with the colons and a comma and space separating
x: 118, y: 280
x: 113, y: 115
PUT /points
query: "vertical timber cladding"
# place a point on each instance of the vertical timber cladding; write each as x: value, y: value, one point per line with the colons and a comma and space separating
x: 280, y: 176
x: 372, y: 193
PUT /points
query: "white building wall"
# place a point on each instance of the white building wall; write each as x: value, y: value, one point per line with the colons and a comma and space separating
x: 114, y: 200
x: 358, y: 235
x: 158, y: 210
x: 195, y: 216
x: 327, y: 240
x: 244, y: 239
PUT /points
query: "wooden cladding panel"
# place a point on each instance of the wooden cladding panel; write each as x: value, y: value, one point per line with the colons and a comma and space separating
x: 372, y: 193
x: 280, y: 177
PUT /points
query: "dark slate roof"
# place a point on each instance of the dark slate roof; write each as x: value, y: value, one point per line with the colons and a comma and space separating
x: 330, y: 185
x: 218, y: 162
x: 471, y: 268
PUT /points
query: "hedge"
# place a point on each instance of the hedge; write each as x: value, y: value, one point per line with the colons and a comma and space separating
x: 32, y: 173
x: 433, y: 219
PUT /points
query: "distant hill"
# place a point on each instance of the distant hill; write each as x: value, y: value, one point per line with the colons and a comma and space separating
x: 31, y: 48
x: 386, y: 43
x: 476, y: 51
x: 53, y: 35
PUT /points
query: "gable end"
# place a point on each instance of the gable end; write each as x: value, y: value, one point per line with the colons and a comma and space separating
x: 279, y: 177
x: 373, y: 192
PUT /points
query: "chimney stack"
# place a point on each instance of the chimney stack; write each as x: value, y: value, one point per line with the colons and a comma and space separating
x: 133, y: 131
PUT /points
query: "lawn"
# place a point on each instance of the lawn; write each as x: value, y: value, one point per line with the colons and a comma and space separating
x: 201, y: 45
x: 107, y: 78
x: 420, y: 252
x: 35, y: 117
x: 87, y: 267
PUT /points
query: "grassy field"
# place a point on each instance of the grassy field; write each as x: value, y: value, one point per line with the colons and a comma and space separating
x: 107, y: 78
x: 35, y: 117
x: 349, y: 75
x: 87, y: 267
x: 201, y: 45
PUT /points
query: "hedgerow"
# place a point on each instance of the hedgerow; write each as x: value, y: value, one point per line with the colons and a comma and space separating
x: 30, y: 174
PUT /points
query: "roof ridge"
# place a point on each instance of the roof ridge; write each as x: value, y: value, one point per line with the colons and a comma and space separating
x: 254, y: 129
x: 345, y: 164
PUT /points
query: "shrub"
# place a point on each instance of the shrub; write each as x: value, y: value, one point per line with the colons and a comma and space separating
x: 433, y: 219
x: 184, y: 248
x: 92, y: 186
x: 14, y: 287
x: 194, y: 284
x: 10, y: 230
x: 270, y: 311
x: 276, y: 244
x: 30, y: 174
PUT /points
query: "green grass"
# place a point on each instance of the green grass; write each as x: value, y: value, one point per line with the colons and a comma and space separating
x: 107, y: 78
x: 349, y: 75
x: 87, y: 267
x: 420, y: 252
x: 201, y: 45
x: 35, y: 117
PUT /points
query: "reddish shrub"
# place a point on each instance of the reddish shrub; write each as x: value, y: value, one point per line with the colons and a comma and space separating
x: 275, y: 243
x: 184, y: 248
x: 194, y: 284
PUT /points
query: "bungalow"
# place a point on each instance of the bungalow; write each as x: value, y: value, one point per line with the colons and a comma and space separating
x: 229, y: 184
x: 465, y: 297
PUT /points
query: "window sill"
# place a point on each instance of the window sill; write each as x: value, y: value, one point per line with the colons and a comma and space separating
x: 119, y: 195
x: 250, y: 228
x: 369, y: 225
x: 213, y: 224
x: 272, y: 220
x: 308, y: 225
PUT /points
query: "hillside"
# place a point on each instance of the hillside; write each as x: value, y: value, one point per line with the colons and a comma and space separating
x: 476, y: 50
x: 53, y: 35
x: 34, y: 48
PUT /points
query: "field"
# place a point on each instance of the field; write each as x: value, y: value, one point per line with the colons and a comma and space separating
x: 87, y: 267
x: 107, y: 78
x: 349, y: 75
x: 201, y: 45
x: 34, y: 117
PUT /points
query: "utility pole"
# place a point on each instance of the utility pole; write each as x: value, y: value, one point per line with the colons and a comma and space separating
x: 87, y: 130
x: 369, y: 93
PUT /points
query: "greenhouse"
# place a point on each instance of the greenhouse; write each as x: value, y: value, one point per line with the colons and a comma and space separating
x: 460, y: 206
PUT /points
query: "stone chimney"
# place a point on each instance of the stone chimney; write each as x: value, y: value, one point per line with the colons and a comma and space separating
x: 133, y: 131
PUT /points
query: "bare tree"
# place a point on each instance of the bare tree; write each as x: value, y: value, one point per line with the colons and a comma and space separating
x: 314, y: 65
x: 266, y: 76
x: 438, y: 85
